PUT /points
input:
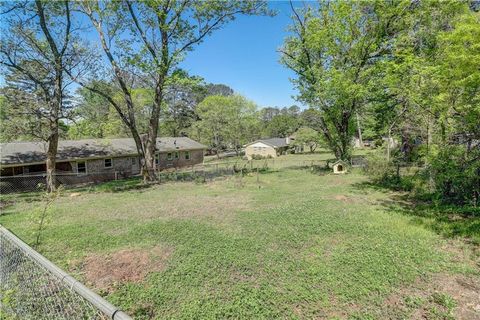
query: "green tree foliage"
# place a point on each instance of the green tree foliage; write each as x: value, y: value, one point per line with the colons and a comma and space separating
x: 281, y: 125
x: 427, y: 94
x: 455, y: 159
x: 93, y: 114
x: 332, y: 49
x: 144, y: 41
x: 226, y: 122
x: 307, y: 138
x: 280, y: 122
x: 408, y: 70
x: 182, y: 98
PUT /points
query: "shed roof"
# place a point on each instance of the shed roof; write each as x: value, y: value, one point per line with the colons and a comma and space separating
x: 35, y: 152
x: 273, y: 142
x: 340, y: 162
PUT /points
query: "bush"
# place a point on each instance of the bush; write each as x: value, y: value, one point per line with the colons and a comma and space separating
x: 455, y: 174
x: 377, y: 166
x: 451, y: 174
x: 257, y: 157
x: 387, y: 173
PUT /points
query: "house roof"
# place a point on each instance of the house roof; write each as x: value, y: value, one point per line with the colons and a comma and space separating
x: 273, y: 142
x: 35, y: 152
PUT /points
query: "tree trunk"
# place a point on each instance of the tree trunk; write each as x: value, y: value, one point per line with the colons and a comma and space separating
x: 151, y: 142
x: 388, y: 143
x: 53, y: 138
x: 360, y: 140
x: 150, y: 148
x: 51, y: 160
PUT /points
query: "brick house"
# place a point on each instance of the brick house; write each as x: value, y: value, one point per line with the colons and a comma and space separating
x: 96, y: 159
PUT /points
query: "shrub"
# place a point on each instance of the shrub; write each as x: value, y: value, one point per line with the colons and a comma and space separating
x: 200, y: 179
x: 455, y: 174
x: 257, y: 157
x: 377, y: 166
x: 387, y: 173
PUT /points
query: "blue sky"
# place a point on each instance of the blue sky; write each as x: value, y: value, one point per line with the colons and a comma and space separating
x: 243, y: 56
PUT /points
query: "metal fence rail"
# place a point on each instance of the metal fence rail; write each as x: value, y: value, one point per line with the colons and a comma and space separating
x: 37, y: 182
x: 31, y: 287
x: 207, y: 170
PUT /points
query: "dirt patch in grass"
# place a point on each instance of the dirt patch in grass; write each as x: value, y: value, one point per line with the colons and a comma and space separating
x: 343, y: 198
x: 4, y: 204
x: 221, y: 206
x: 443, y: 296
x: 127, y: 265
x: 348, y: 199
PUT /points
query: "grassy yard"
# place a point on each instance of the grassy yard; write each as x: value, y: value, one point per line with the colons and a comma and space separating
x: 298, y: 244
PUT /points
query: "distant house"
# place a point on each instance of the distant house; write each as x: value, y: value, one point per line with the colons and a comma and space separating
x: 99, y: 159
x: 266, y: 148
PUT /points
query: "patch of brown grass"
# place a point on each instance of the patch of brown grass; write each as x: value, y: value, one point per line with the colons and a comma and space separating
x: 348, y: 199
x: 418, y: 300
x: 179, y: 206
x: 189, y: 206
x: 126, y: 265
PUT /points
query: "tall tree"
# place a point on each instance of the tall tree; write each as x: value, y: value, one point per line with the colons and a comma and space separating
x: 181, y: 100
x: 281, y: 125
x: 148, y: 39
x: 226, y: 122
x: 331, y: 50
x: 37, y: 48
x: 307, y: 137
x: 92, y: 113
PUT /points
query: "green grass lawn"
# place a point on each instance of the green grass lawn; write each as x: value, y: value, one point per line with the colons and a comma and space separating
x: 299, y: 244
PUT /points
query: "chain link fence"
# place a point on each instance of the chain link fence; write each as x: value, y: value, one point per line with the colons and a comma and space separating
x: 31, y: 287
x: 205, y: 171
x: 37, y: 182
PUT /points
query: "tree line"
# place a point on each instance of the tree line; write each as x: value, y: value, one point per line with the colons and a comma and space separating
x: 136, y: 44
x: 210, y: 113
x: 398, y: 70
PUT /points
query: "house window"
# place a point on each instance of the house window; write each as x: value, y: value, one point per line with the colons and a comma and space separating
x: 108, y: 163
x: 187, y: 155
x: 133, y: 161
x: 169, y: 156
x: 157, y: 159
x: 177, y: 155
x: 81, y: 167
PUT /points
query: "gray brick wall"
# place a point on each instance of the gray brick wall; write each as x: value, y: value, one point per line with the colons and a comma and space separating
x: 196, y: 157
x: 120, y: 164
x: 126, y: 166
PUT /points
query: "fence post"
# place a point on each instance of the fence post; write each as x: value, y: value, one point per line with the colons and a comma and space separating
x: 258, y: 178
x: 116, y: 175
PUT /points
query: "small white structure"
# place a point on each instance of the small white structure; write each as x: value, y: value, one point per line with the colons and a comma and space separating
x: 340, y: 167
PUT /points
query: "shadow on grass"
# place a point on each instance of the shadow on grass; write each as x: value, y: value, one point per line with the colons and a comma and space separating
x: 447, y: 220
